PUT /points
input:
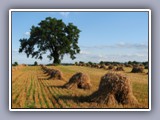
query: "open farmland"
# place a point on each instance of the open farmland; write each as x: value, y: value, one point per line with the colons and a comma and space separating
x: 31, y: 89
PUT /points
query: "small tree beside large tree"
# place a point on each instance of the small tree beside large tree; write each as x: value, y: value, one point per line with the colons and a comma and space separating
x: 51, y: 35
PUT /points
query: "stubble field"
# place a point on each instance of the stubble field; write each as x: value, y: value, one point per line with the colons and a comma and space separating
x: 30, y: 90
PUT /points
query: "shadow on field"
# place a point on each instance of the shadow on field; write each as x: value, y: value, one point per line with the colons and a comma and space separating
x: 87, y: 99
x: 74, y: 98
x: 55, y: 86
x: 46, y: 73
x: 44, y: 78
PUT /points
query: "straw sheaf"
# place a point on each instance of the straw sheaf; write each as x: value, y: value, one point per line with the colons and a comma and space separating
x: 54, y: 74
x: 119, y: 68
x: 79, y: 80
x: 114, y: 88
x: 138, y: 69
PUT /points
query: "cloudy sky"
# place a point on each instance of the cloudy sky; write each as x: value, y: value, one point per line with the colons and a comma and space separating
x: 105, y: 36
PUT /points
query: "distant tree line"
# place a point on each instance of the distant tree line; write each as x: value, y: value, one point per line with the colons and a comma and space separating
x: 15, y: 64
x: 34, y: 64
x: 113, y: 63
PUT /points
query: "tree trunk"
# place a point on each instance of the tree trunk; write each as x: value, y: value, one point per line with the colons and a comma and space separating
x: 56, y: 58
x: 56, y: 61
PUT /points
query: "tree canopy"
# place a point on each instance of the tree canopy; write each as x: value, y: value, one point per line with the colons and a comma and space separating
x: 15, y: 64
x: 35, y: 63
x: 51, y: 35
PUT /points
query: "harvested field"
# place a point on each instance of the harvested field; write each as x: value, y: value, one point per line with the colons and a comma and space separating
x: 29, y: 90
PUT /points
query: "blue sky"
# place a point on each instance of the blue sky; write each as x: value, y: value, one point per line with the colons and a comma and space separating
x: 105, y: 36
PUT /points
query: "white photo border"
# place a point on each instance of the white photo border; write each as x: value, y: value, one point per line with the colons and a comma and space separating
x: 79, y: 10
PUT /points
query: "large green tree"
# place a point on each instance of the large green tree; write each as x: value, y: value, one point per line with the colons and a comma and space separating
x: 51, y: 35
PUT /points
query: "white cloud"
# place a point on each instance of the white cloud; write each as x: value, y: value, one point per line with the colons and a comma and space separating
x: 64, y: 14
x: 133, y: 45
x: 118, y: 52
x: 84, y: 52
x: 119, y: 45
x: 27, y: 33
x: 110, y: 57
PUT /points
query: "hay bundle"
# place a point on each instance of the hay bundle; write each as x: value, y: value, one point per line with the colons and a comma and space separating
x: 88, y: 65
x: 128, y: 65
x: 121, y: 65
x: 49, y: 71
x: 111, y: 67
x: 93, y: 65
x: 141, y: 65
x: 114, y: 88
x: 56, y: 74
x: 103, y: 66
x: 119, y: 68
x: 137, y: 69
x: 146, y: 66
x: 79, y: 80
x: 44, y: 67
x: 97, y: 66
